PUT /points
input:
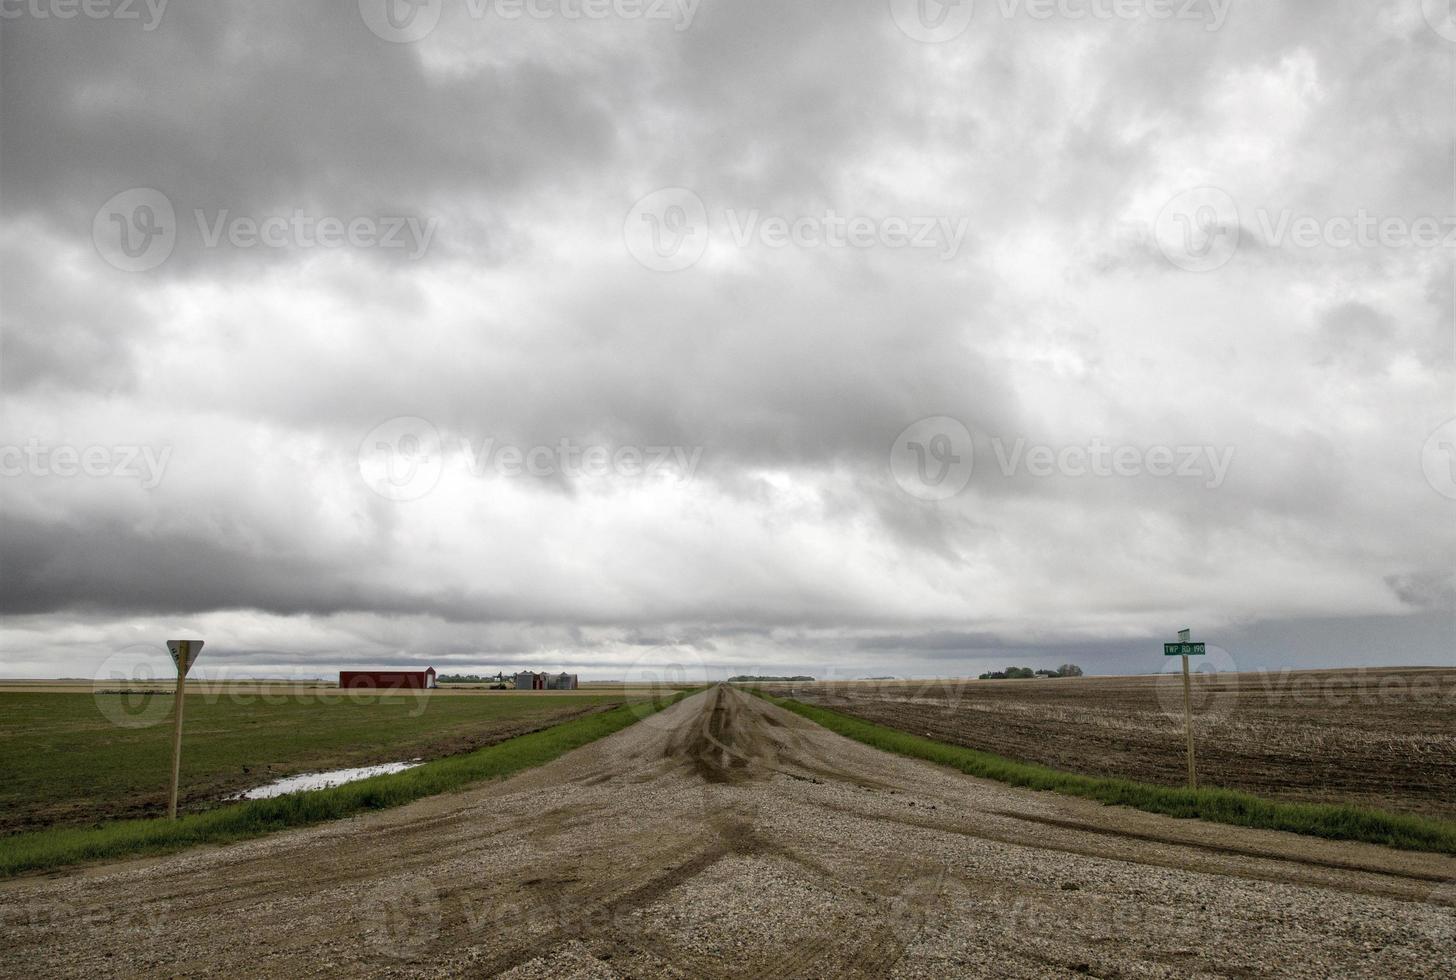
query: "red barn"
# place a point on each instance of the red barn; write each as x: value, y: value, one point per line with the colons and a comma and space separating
x: 388, y: 680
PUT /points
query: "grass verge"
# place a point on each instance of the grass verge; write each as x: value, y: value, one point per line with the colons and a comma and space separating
x: 1333, y: 821
x: 45, y: 849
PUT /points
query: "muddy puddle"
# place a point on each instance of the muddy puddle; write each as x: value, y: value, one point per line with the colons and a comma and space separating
x: 320, y: 780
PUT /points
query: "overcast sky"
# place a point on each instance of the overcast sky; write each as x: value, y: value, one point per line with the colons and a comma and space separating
x: 850, y: 338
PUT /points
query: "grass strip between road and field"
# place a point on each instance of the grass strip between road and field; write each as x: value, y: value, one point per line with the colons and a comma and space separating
x: 1333, y: 821
x: 44, y: 849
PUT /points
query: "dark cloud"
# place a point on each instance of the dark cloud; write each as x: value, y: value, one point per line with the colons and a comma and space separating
x: 1308, y: 378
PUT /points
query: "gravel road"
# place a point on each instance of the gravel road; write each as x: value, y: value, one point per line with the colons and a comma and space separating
x: 726, y: 837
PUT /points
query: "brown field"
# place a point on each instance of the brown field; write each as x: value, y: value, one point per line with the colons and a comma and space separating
x: 1382, y: 737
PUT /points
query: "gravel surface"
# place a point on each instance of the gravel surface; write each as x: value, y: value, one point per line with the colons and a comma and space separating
x: 727, y: 837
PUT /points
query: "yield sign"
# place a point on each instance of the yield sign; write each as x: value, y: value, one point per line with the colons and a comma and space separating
x: 184, y: 654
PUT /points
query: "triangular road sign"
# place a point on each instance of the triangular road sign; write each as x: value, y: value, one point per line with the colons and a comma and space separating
x: 184, y: 654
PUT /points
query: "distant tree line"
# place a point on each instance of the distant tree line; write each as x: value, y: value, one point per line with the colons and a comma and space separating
x: 759, y: 678
x: 1026, y: 673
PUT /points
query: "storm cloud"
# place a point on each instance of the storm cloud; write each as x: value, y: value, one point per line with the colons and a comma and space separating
x: 754, y: 335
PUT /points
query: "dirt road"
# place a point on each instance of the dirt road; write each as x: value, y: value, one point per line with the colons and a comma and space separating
x: 728, y: 838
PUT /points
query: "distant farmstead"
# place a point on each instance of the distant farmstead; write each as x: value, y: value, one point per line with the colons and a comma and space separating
x: 529, y: 681
x: 387, y: 680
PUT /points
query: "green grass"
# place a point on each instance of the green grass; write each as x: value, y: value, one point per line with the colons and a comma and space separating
x: 44, y: 849
x: 1336, y: 822
x: 72, y: 759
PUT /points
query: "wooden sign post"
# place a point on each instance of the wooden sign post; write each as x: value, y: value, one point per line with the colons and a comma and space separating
x: 184, y: 655
x: 1185, y: 649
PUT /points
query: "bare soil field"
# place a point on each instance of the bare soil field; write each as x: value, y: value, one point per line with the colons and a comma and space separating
x: 726, y: 837
x: 1377, y: 737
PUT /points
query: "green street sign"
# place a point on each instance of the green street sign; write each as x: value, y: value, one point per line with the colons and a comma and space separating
x: 1183, y: 649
